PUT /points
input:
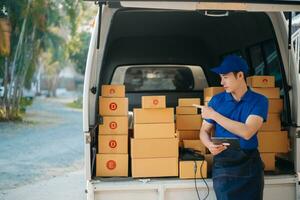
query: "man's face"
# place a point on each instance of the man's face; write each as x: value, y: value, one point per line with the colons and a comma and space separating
x: 231, y: 82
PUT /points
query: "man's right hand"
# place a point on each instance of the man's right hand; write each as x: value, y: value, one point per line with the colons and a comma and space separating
x: 216, y: 148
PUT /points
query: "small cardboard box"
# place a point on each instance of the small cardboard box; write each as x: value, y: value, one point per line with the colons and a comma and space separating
x: 154, y: 148
x: 114, y: 126
x: 109, y: 165
x: 188, y: 135
x: 154, y: 167
x: 268, y: 160
x: 153, y: 101
x: 188, y: 101
x: 186, y: 110
x: 142, y: 131
x: 195, y: 144
x: 113, y: 90
x: 273, y: 142
x: 212, y: 91
x: 153, y: 115
x: 113, y: 106
x: 273, y: 123
x: 188, y: 122
x: 261, y: 81
x: 271, y: 93
x: 113, y: 144
x: 186, y: 169
x: 275, y: 105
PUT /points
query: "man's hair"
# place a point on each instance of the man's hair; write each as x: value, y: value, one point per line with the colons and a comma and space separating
x: 245, y: 75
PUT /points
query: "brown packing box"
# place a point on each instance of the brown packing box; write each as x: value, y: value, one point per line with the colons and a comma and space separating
x: 206, y: 103
x: 271, y: 93
x: 114, y: 125
x: 186, y: 169
x: 153, y: 115
x: 273, y: 123
x: 188, y: 101
x: 186, y: 110
x: 153, y: 101
x: 112, y: 165
x: 212, y: 91
x: 113, y: 144
x: 273, y: 142
x: 113, y: 90
x: 166, y: 130
x: 195, y: 144
x: 188, y: 135
x: 268, y: 160
x: 113, y: 106
x: 261, y: 81
x: 154, y: 167
x: 154, y: 148
x: 275, y: 105
x: 188, y: 122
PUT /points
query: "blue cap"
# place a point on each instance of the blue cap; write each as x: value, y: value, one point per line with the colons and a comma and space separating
x: 231, y: 63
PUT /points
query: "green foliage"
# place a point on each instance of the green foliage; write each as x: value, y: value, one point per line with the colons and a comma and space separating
x: 76, y: 104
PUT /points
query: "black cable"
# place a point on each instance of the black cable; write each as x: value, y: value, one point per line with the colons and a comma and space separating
x: 195, y: 172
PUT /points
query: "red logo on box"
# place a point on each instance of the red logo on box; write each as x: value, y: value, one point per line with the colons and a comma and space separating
x: 155, y: 101
x: 113, y: 106
x: 113, y: 125
x: 111, y: 164
x: 265, y: 80
x: 112, y: 91
x: 112, y: 144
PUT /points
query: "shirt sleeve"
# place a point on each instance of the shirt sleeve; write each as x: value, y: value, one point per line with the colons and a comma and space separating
x: 211, y: 103
x: 261, y: 108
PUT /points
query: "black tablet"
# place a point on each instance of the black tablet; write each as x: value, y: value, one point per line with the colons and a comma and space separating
x: 227, y: 141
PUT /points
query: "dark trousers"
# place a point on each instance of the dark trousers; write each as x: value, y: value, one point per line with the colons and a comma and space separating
x: 238, y: 175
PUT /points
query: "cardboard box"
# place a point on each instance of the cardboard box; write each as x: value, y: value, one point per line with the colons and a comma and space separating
x: 273, y: 123
x: 188, y: 101
x: 206, y: 103
x: 153, y: 101
x: 271, y: 93
x: 261, y: 81
x: 112, y: 165
x: 113, y: 90
x: 186, y: 110
x: 154, y: 148
x: 268, y: 160
x: 153, y: 115
x: 113, y: 144
x: 188, y: 135
x: 166, y: 130
x: 154, y: 167
x: 273, y: 142
x: 275, y: 105
x: 114, y: 125
x: 195, y: 144
x: 188, y: 122
x: 212, y: 91
x: 113, y: 106
x: 186, y: 169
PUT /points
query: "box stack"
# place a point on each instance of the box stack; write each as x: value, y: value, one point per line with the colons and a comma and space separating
x: 112, y: 157
x: 154, y: 148
x: 210, y: 92
x: 271, y: 139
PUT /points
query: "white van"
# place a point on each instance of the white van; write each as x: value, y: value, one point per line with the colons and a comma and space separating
x: 163, y: 38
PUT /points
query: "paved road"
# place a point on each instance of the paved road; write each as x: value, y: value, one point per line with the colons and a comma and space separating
x: 47, y: 147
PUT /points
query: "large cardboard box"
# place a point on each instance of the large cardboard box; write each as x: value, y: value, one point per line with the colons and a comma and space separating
x: 113, y: 144
x: 273, y: 142
x: 271, y: 93
x: 188, y: 135
x: 113, y: 90
x: 114, y: 125
x: 153, y: 115
x: 154, y: 167
x: 153, y: 101
x: 154, y: 148
x: 195, y: 144
x: 186, y: 110
x: 188, y: 101
x: 112, y: 165
x: 186, y: 169
x: 268, y: 160
x: 212, y: 91
x: 275, y: 105
x: 261, y: 81
x: 113, y: 106
x: 142, y: 131
x: 273, y: 123
x: 188, y: 122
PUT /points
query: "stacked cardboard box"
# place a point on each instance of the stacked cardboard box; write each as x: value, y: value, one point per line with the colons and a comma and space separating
x: 154, y: 148
x: 210, y: 92
x: 112, y: 157
x: 271, y: 139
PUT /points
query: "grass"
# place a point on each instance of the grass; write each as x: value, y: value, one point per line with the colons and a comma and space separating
x: 75, y: 104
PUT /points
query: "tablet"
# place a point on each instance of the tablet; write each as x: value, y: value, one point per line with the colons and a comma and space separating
x: 227, y: 141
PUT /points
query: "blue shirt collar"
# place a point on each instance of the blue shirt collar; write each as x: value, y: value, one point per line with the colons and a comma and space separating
x: 245, y: 97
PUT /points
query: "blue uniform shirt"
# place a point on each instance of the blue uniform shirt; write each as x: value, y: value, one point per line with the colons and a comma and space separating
x: 250, y: 104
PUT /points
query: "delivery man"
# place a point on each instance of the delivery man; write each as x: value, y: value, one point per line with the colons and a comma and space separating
x: 236, y: 113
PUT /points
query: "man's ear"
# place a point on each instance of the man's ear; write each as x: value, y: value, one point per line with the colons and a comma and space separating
x: 241, y: 75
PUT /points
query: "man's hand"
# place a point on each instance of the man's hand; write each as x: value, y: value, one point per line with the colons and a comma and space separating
x: 207, y: 112
x: 216, y: 149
